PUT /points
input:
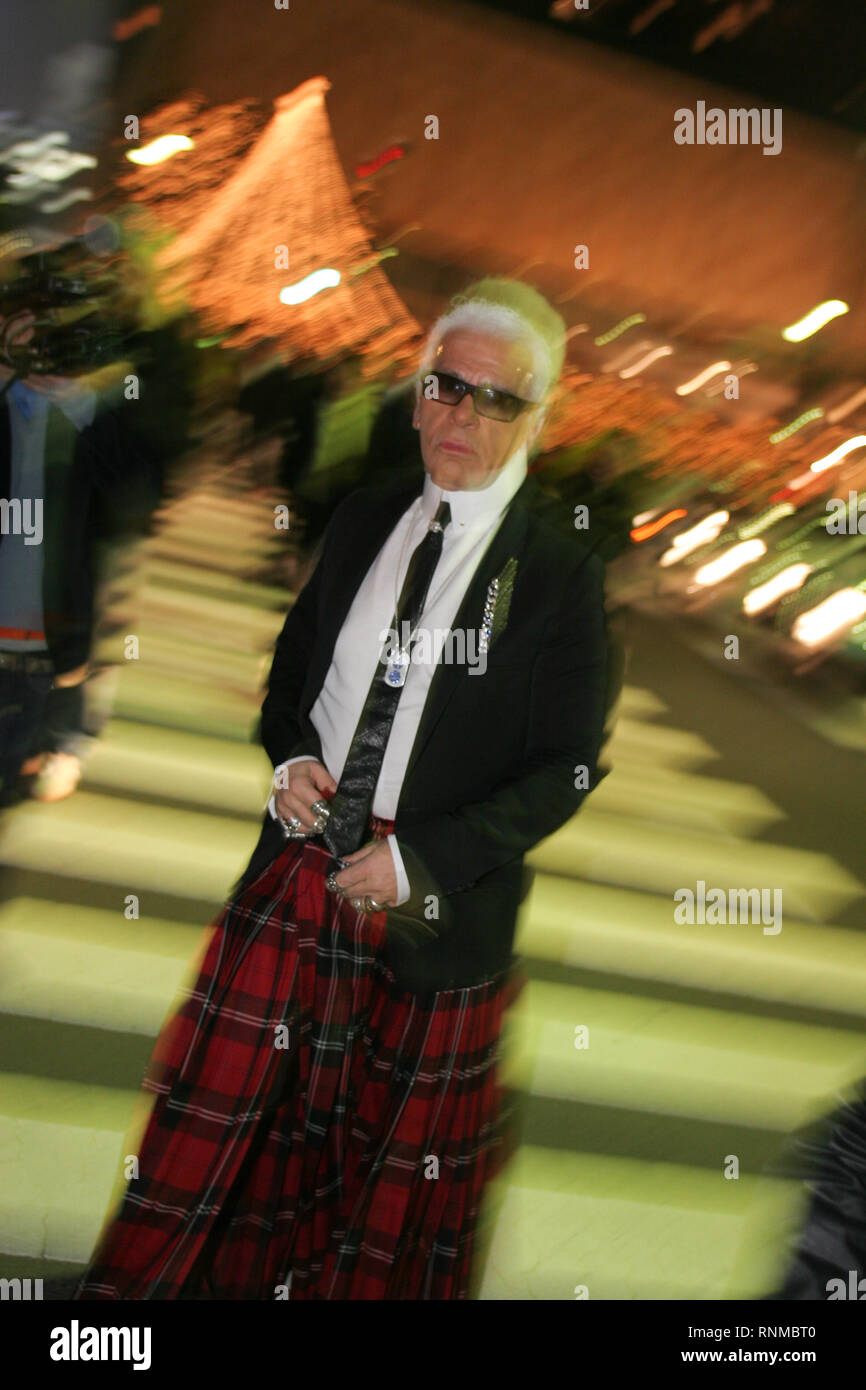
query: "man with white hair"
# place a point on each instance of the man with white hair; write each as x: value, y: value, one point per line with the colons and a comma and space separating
x: 376, y: 918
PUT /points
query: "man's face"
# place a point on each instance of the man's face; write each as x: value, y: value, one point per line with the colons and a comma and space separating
x: 461, y: 449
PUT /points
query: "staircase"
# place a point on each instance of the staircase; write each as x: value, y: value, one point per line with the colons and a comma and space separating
x: 703, y: 1042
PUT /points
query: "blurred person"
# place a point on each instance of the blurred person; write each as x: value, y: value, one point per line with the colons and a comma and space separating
x: 72, y: 473
x: 328, y: 1110
x: 827, y: 1256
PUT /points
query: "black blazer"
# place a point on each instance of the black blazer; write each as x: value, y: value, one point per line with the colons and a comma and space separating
x: 493, y: 766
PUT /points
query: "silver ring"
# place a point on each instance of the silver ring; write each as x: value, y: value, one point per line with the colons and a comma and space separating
x: 370, y: 905
x: 331, y: 883
x: 356, y: 903
x: 321, y: 808
x: 292, y: 828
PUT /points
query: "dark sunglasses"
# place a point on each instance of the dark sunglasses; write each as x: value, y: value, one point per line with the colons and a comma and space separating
x: 487, y: 400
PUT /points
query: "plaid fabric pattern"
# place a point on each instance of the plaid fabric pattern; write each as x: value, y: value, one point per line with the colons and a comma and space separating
x: 304, y: 1104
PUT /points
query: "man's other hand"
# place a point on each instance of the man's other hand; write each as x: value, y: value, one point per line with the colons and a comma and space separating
x: 370, y: 872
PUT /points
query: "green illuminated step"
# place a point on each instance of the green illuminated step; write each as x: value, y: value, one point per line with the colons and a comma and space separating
x: 669, y: 1058
x: 594, y: 927
x: 196, y: 579
x: 146, y: 692
x: 136, y: 847
x: 58, y: 1173
x: 639, y: 742
x: 189, y: 657
x: 621, y: 1229
x: 147, y: 760
x: 680, y: 798
x: 639, y: 703
x: 603, y: 847
x: 250, y: 625
x: 73, y: 963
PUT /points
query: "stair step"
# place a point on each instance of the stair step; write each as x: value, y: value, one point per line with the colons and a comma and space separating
x: 637, y: 741
x: 146, y: 760
x: 685, y: 798
x: 670, y: 1058
x: 602, y: 847
x: 625, y: 1230
x: 611, y: 930
x: 73, y: 963
x: 165, y: 849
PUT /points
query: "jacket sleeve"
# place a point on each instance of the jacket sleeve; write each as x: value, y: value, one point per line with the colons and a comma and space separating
x: 453, y: 850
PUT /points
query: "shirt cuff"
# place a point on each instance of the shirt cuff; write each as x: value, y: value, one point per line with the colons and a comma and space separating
x: 403, y: 890
x: 271, y: 803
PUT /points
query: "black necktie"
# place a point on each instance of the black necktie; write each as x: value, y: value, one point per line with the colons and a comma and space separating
x: 353, y: 800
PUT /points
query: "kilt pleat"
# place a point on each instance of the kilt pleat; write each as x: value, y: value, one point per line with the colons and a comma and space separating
x: 316, y: 1131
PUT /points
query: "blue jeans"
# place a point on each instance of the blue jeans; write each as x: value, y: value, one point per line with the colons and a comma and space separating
x: 22, y: 701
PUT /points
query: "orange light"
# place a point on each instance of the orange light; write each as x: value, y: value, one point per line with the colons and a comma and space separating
x: 652, y: 528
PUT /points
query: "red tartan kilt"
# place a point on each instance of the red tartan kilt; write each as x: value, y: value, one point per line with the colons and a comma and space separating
x: 314, y: 1125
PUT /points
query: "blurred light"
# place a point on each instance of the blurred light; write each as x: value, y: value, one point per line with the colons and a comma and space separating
x: 310, y: 285
x: 797, y: 424
x: 646, y: 361
x: 739, y: 371
x: 793, y: 486
x: 841, y: 610
x: 619, y: 328
x: 142, y: 19
x: 162, y: 148
x: 651, y: 528
x: 754, y: 528
x: 744, y: 553
x: 846, y: 407
x: 857, y: 441
x: 785, y: 582
x: 363, y: 171
x: 628, y: 356
x: 696, y: 536
x: 815, y: 319
x: 702, y: 378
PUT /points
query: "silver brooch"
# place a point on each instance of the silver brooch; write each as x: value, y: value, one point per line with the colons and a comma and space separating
x: 497, y: 604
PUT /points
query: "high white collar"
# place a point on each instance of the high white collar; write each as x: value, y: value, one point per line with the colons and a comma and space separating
x: 469, y: 506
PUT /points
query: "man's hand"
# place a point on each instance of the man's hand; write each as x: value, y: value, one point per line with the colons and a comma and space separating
x: 370, y: 872
x: 306, y: 782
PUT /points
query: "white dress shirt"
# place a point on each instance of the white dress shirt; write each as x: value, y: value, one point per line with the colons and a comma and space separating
x: 476, y: 515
